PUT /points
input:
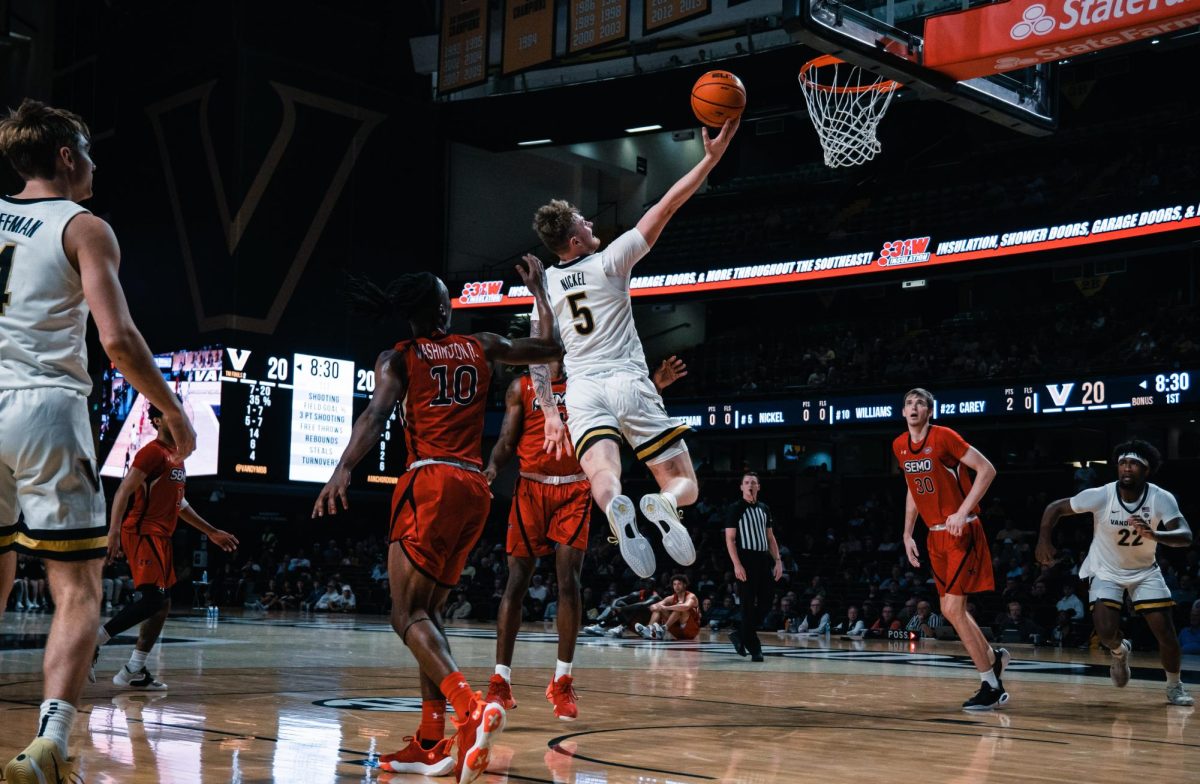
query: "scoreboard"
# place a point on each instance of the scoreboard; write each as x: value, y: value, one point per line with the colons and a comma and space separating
x: 288, y: 417
x: 1161, y: 390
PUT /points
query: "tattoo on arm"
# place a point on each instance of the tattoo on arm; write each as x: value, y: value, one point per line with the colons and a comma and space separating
x: 543, y: 388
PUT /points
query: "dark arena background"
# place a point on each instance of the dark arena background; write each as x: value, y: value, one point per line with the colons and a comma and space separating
x: 1023, y: 244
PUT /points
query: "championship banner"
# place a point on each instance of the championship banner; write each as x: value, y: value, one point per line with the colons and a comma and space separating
x: 462, y: 55
x: 992, y: 39
x: 908, y: 253
x: 528, y: 34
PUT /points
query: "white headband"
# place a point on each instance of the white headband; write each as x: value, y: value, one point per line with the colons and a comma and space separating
x: 1134, y: 456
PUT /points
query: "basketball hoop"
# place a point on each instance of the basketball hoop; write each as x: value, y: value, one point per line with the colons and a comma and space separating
x: 846, y: 105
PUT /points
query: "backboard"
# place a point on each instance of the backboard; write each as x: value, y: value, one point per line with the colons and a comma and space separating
x: 885, y: 37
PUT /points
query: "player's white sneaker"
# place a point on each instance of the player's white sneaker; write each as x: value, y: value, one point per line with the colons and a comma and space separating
x: 616, y: 631
x: 635, y: 548
x: 646, y: 631
x: 595, y: 630
x: 141, y: 680
x: 659, y: 510
x: 1176, y: 695
x: 1119, y: 669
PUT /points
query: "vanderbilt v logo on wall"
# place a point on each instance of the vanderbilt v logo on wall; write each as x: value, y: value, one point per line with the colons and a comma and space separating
x: 243, y: 264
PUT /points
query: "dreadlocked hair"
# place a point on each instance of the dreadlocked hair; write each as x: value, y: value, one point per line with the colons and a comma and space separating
x: 409, y: 296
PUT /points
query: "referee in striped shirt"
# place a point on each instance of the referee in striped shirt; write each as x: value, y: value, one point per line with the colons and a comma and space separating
x: 752, y: 548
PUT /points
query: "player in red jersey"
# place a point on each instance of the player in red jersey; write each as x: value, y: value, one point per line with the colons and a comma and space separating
x: 155, y: 485
x: 551, y: 512
x: 940, y: 491
x: 680, y: 611
x: 441, y: 502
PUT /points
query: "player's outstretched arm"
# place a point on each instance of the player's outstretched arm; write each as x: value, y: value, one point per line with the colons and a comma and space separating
x: 510, y: 429
x: 531, y: 350
x: 389, y: 388
x: 92, y: 247
x: 1045, y: 554
x: 655, y: 219
x: 223, y: 539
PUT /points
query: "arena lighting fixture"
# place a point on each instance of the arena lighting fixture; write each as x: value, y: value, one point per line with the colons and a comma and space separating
x: 534, y: 142
x: 643, y: 129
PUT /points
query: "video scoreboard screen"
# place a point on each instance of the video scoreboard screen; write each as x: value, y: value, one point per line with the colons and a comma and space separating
x: 125, y: 426
x: 289, y: 417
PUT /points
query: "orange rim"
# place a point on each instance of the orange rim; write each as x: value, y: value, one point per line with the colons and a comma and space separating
x: 883, y: 86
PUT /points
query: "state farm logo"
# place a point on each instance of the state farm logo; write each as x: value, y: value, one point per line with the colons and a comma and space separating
x: 910, y: 251
x: 1035, y: 21
x: 478, y: 293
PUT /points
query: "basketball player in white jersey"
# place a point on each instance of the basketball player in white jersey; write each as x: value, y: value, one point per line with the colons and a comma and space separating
x: 57, y: 263
x: 609, y: 394
x: 1132, y: 517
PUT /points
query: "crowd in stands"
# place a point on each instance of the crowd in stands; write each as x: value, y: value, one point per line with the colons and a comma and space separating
x: 845, y: 572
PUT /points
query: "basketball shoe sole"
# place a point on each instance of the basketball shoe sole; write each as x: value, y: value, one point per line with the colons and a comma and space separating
x: 635, y: 548
x: 39, y: 763
x: 676, y: 540
x: 475, y: 758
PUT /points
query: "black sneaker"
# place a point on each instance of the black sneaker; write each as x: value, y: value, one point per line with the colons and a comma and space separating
x: 756, y: 657
x: 735, y: 637
x: 92, y: 669
x: 987, y: 698
x: 1003, y: 657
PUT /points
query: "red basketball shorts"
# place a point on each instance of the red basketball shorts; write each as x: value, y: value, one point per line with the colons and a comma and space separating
x: 543, y: 515
x: 685, y: 631
x: 151, y: 559
x: 438, y: 513
x: 961, y: 565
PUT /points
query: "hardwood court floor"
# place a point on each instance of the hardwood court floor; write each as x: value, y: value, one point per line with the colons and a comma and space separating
x: 310, y: 699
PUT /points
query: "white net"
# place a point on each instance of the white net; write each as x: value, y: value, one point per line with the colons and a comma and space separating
x: 845, y: 104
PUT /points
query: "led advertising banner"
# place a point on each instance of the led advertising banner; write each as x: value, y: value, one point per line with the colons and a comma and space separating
x: 905, y: 253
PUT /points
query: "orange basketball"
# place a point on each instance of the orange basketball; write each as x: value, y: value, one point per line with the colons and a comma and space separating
x: 716, y: 97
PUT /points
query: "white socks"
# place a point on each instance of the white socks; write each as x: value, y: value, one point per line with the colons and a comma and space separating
x: 102, y: 636
x: 562, y: 668
x: 1172, y: 679
x: 137, y: 660
x: 504, y: 672
x: 989, y: 677
x: 56, y: 719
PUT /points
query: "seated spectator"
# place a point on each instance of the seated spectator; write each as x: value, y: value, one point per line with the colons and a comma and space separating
x: 538, y: 591
x: 270, y: 598
x: 459, y: 608
x: 852, y: 624
x: 1070, y: 603
x: 1189, y: 636
x: 887, y: 620
x: 817, y: 619
x: 349, y: 600
x: 782, y: 618
x: 331, y: 600
x: 925, y: 620
x: 1013, y: 626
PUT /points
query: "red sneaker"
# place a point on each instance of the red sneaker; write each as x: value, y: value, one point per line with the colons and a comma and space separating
x: 475, y: 736
x: 500, y: 691
x: 415, y: 759
x: 561, y: 694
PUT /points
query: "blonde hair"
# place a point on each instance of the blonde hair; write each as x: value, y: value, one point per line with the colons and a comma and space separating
x: 33, y: 133
x: 554, y: 224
